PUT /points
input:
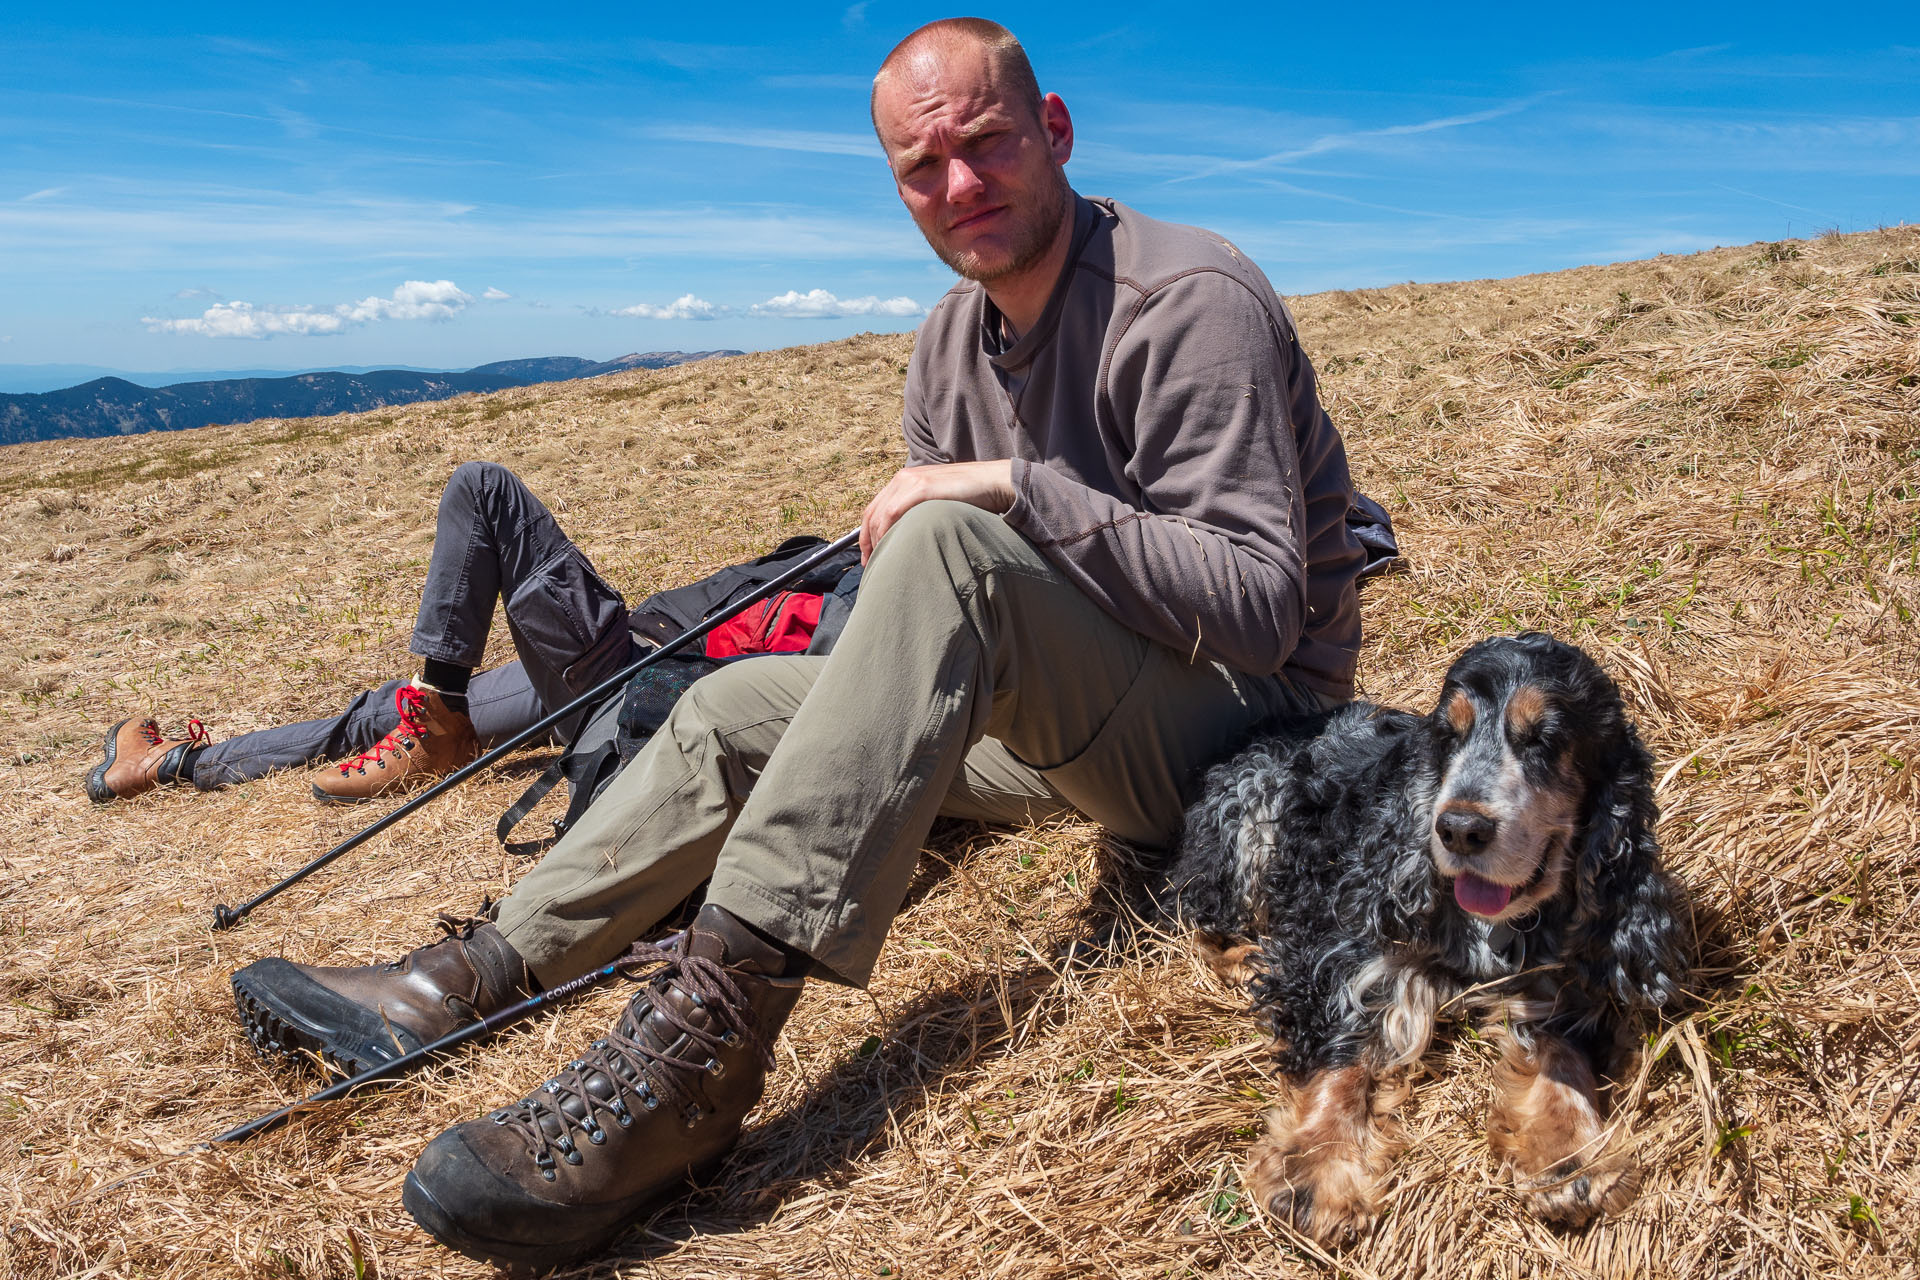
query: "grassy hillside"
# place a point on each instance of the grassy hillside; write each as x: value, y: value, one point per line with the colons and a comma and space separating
x: 1702, y: 468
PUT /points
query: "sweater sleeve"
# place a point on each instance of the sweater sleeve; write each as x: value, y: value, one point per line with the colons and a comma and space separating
x: 1210, y: 561
x: 915, y: 422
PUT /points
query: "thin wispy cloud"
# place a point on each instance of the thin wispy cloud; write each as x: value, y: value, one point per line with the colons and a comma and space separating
x: 414, y: 300
x: 685, y: 307
x: 45, y: 193
x: 805, y: 140
x: 818, y: 304
x: 495, y: 295
x: 257, y: 229
x: 1360, y: 137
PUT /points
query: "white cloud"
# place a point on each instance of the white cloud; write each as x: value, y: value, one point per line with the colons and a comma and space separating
x: 684, y: 307
x: 818, y: 304
x: 45, y: 193
x: 495, y: 295
x: 414, y: 300
x: 191, y: 294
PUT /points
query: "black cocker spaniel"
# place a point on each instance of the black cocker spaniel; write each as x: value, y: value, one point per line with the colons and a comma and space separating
x: 1367, y: 871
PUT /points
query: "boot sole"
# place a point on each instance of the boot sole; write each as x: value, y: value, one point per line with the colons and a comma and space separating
x: 327, y: 797
x: 97, y: 789
x: 351, y: 1040
x: 528, y: 1259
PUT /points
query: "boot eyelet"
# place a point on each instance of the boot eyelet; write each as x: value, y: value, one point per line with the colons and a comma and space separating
x: 548, y: 1174
x: 551, y: 1086
x: 650, y: 1102
x: 692, y: 1116
x: 716, y: 1068
x: 573, y: 1157
x: 597, y: 1136
x: 731, y: 1039
x: 498, y: 1117
x: 626, y: 1119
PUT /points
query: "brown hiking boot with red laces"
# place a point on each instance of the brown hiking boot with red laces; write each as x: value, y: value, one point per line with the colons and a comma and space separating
x: 431, y: 739
x: 139, y: 759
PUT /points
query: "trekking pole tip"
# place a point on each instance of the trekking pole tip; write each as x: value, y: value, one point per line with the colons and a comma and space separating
x: 225, y: 917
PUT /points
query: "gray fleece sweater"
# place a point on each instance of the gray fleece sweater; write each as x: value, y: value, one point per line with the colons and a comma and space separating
x: 1170, y: 453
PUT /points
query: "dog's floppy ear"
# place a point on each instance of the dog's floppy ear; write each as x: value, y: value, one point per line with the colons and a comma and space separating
x: 1628, y: 938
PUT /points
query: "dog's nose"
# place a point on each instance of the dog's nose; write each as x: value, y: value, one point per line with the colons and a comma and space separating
x: 1465, y: 832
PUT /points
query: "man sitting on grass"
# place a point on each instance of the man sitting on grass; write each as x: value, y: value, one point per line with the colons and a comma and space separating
x: 1119, y: 541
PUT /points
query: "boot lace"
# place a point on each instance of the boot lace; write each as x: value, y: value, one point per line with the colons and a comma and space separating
x: 651, y: 1076
x: 411, y: 704
x: 452, y: 928
x: 197, y: 735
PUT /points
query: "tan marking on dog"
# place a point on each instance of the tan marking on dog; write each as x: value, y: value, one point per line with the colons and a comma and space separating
x: 1231, y: 963
x: 1460, y: 712
x: 1325, y: 1151
x: 1525, y: 708
x: 1545, y: 1125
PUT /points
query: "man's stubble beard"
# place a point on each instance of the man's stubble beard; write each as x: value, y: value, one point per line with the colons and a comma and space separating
x: 1035, y: 239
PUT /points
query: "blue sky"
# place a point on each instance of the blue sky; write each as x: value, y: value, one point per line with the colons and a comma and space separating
x: 177, y: 181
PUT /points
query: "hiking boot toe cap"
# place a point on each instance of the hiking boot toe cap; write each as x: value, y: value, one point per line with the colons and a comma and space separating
x: 459, y: 1197
x: 288, y: 1014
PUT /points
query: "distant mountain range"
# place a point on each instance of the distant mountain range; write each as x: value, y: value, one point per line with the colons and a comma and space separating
x: 115, y: 406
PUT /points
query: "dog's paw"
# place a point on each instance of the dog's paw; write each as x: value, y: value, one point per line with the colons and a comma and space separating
x: 1325, y: 1191
x: 1231, y: 962
x: 1572, y: 1194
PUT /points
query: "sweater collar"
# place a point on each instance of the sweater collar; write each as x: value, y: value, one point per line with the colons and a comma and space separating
x: 1021, y: 353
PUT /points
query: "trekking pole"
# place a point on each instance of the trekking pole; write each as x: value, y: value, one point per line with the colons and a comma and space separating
x: 225, y: 917
x: 639, y: 953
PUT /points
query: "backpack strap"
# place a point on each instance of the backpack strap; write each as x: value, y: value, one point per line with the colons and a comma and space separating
x: 518, y: 812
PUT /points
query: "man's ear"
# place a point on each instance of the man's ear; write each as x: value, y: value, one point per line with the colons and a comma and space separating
x: 1059, y: 127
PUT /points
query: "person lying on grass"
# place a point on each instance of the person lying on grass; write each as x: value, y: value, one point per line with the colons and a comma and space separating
x: 1120, y: 540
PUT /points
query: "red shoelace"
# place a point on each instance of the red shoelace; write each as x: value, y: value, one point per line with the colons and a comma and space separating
x: 409, y: 702
x: 197, y: 735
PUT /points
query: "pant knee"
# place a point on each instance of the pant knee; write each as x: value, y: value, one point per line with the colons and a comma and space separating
x: 954, y: 540
x: 470, y: 482
x: 709, y: 705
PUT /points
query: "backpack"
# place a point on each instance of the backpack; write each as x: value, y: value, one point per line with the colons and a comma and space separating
x: 806, y: 617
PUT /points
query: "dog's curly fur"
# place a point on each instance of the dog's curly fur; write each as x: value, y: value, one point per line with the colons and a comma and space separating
x: 1368, y: 870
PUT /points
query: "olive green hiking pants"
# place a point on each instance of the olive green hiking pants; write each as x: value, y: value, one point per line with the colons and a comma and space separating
x: 973, y: 680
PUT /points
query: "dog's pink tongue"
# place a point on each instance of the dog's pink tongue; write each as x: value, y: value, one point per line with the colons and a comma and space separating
x: 1482, y: 897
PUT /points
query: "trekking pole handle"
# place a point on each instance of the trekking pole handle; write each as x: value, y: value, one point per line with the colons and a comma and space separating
x: 225, y: 917
x: 639, y: 953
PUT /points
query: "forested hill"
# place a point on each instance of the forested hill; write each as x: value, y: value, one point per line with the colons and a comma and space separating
x: 114, y: 406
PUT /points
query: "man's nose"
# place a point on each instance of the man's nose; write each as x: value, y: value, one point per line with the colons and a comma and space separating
x: 963, y: 183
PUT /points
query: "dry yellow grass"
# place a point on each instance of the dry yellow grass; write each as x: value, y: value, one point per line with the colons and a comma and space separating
x: 1702, y: 468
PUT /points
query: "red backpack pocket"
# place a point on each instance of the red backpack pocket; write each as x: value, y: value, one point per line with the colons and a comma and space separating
x: 783, y: 624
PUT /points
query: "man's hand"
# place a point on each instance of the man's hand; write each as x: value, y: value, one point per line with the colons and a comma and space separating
x: 988, y: 485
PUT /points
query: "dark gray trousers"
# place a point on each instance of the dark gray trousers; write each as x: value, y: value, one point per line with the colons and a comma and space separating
x: 494, y: 541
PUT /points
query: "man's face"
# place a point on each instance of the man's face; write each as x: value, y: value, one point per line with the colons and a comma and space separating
x: 980, y: 174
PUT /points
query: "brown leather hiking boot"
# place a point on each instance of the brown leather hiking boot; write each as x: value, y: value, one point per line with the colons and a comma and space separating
x: 139, y: 759
x: 431, y: 739
x: 353, y: 1019
x: 561, y: 1172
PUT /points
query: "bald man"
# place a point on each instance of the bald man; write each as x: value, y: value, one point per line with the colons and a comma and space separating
x: 1120, y: 539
